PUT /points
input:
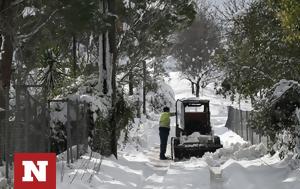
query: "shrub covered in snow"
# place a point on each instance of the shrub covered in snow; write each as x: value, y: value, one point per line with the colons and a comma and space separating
x: 275, y: 115
x: 86, y: 90
x: 102, y: 138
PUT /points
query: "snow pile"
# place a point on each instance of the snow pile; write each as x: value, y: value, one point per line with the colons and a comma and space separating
x: 266, y: 172
x: 144, y: 134
x: 237, y: 152
x: 194, y: 137
x: 252, y: 152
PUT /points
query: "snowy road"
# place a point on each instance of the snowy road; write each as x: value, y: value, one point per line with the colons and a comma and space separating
x: 238, y: 165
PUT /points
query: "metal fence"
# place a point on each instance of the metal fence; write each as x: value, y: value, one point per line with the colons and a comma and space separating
x: 238, y: 122
x: 76, y: 129
x: 26, y: 126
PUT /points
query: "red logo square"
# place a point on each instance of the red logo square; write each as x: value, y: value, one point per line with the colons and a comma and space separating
x: 35, y: 171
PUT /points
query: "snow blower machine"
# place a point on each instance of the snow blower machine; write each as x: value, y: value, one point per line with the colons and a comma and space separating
x: 194, y: 135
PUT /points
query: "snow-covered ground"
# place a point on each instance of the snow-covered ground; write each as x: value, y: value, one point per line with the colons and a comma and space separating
x: 239, y: 165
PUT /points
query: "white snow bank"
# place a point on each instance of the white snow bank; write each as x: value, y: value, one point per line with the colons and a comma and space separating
x: 143, y: 135
x: 237, y: 152
x: 259, y: 173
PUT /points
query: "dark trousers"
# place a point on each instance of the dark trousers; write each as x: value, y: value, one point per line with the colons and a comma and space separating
x: 163, y: 134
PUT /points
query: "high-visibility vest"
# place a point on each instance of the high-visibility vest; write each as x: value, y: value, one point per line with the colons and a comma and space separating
x: 164, y: 120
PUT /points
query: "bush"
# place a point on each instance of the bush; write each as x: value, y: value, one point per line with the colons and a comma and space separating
x: 103, y: 133
x: 275, y: 115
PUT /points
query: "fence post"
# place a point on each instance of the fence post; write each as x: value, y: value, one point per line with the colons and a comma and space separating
x: 247, y: 127
x: 236, y: 122
x: 229, y: 118
x: 241, y: 121
x: 26, y: 121
x: 85, y: 121
x: 259, y: 136
x: 252, y: 136
x: 69, y: 139
x: 78, y: 132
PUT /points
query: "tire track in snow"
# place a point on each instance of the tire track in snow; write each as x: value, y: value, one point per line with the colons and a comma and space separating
x: 153, y: 176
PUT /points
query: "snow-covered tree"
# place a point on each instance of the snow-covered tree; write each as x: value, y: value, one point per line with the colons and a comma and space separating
x: 255, y: 55
x: 195, y: 49
x: 146, y: 34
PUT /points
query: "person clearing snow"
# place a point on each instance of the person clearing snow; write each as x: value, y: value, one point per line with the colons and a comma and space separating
x: 164, y: 130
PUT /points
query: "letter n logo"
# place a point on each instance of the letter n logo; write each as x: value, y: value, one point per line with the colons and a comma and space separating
x: 35, y: 171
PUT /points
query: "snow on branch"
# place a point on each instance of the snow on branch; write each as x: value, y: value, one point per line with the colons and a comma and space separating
x: 25, y: 37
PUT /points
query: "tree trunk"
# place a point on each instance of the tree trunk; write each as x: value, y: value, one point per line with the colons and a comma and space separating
x: 193, y: 87
x: 198, y: 87
x: 113, y: 51
x: 197, y: 90
x: 74, y: 49
x: 144, y: 87
x: 6, y: 57
x: 6, y: 62
x: 5, y: 76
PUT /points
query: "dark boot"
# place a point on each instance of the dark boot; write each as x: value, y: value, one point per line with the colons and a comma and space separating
x: 163, y: 148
